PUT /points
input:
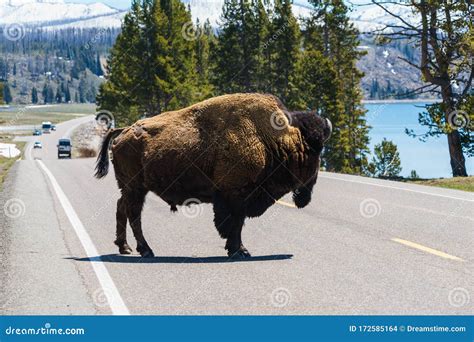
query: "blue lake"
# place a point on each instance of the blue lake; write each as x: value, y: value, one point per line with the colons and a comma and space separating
x: 430, y: 159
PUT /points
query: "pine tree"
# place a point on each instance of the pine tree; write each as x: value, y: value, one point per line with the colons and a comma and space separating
x: 239, y: 48
x: 82, y: 90
x: 99, y: 71
x: 204, y: 42
x: 59, y: 95
x: 50, y: 94
x: 44, y: 93
x: 67, y: 94
x: 151, y: 67
x: 386, y: 161
x: 7, y: 95
x: 285, y: 49
x: 34, y: 95
x: 261, y: 46
x: 228, y: 56
x: 329, y: 31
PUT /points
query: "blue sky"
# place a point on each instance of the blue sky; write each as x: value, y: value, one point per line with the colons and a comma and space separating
x: 123, y: 4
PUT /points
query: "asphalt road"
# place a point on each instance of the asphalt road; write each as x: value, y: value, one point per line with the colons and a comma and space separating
x: 363, y: 246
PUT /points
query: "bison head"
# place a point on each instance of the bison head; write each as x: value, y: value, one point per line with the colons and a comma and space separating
x: 315, y: 131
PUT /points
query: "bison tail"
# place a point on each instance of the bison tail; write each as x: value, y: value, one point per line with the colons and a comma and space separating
x: 102, y: 163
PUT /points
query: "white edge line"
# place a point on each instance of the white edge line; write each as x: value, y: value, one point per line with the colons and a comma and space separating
x: 116, y: 302
x: 398, y: 188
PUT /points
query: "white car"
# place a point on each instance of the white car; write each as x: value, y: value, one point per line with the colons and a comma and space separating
x: 37, y: 144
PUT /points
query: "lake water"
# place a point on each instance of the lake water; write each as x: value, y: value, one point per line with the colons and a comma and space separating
x: 430, y: 159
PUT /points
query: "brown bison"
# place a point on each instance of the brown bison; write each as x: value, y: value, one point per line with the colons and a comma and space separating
x: 240, y: 152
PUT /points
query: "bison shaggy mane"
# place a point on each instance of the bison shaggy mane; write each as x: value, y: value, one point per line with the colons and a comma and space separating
x: 240, y: 152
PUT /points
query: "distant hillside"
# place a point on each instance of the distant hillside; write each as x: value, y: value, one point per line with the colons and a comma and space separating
x: 51, y: 67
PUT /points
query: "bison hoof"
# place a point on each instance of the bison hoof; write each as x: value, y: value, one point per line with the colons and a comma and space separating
x: 241, y: 253
x: 147, y: 254
x: 125, y: 249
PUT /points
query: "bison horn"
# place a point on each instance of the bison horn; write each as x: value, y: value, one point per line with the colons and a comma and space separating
x: 327, y: 130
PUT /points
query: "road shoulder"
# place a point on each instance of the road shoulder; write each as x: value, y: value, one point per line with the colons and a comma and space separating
x: 37, y: 275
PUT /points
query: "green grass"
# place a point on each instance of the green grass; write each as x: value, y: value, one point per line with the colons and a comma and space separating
x: 20, y: 115
x: 457, y: 183
x: 7, y: 163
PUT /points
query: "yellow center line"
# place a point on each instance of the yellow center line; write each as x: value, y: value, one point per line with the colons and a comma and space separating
x: 286, y: 204
x: 427, y: 249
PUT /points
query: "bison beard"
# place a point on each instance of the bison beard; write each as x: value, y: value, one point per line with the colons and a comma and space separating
x: 240, y: 152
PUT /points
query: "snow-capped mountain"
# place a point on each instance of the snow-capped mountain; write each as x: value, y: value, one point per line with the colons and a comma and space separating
x: 369, y: 17
x: 365, y: 18
x: 58, y: 14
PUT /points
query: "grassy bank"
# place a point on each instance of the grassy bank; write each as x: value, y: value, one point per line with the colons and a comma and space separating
x: 457, y: 183
x: 20, y: 115
x: 7, y: 163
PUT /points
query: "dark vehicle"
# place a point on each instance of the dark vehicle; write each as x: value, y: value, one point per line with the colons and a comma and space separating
x: 53, y: 127
x: 64, y: 148
x: 37, y: 132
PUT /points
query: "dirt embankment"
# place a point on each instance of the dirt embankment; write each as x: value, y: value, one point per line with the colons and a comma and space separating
x: 86, y: 140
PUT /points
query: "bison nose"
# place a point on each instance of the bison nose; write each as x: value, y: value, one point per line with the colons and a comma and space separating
x: 327, y: 130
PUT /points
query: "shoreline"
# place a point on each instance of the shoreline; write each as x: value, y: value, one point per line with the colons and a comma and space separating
x: 394, y: 101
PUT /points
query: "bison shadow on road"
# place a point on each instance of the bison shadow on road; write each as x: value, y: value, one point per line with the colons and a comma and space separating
x: 135, y: 259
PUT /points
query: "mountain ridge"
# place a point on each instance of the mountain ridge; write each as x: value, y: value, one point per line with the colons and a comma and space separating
x: 42, y: 13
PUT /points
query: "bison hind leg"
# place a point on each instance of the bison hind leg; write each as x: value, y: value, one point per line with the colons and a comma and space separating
x: 229, y: 217
x: 121, y: 234
x: 135, y: 200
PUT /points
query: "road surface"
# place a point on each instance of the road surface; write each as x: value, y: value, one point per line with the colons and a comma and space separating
x: 363, y: 246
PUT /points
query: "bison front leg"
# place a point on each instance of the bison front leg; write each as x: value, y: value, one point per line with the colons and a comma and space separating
x: 234, y: 246
x: 135, y: 201
x: 229, y: 219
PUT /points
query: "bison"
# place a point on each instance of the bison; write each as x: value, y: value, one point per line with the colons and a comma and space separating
x: 240, y: 152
